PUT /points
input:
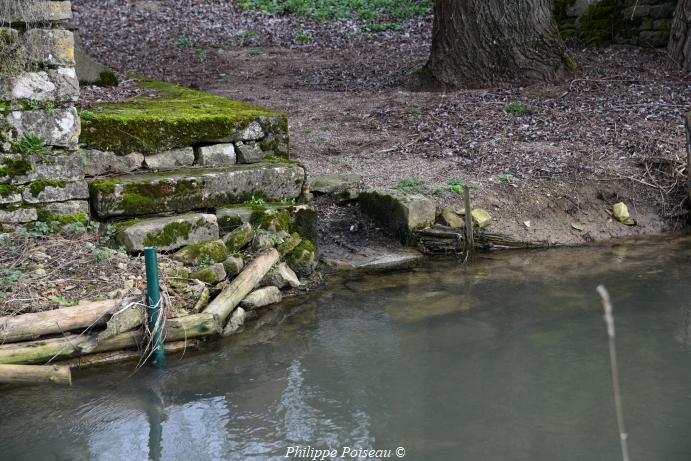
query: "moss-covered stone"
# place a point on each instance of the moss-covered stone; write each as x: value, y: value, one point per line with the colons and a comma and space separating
x: 303, y: 259
x: 174, y: 117
x: 399, y: 213
x: 239, y: 238
x: 271, y: 219
x: 12, y: 167
x: 305, y: 222
x: 168, y: 233
x: 212, y: 274
x: 107, y: 78
x: 63, y: 220
x: 7, y: 190
x: 604, y: 21
x: 214, y: 250
x: 37, y: 187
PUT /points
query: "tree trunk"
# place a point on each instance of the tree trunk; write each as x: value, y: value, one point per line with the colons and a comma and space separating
x: 680, y: 36
x: 33, y: 374
x: 483, y: 43
x: 242, y: 285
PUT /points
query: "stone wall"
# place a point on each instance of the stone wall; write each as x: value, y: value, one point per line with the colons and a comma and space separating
x: 41, y: 173
x: 643, y: 23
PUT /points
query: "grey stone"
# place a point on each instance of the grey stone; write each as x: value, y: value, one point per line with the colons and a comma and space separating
x: 451, y: 219
x: 662, y: 24
x: 303, y: 259
x: 654, y: 38
x: 289, y: 244
x: 263, y: 242
x: 88, y: 69
x: 98, y: 162
x: 168, y: 233
x: 230, y: 218
x: 69, y: 208
x: 55, y: 166
x: 56, y: 191
x: 262, y: 297
x: 342, y: 187
x: 38, y: 11
x: 399, y: 213
x: 281, y: 276
x: 212, y: 274
x: 170, y: 159
x: 10, y: 195
x: 239, y: 238
x: 194, y: 254
x: 276, y: 139
x: 17, y: 216
x: 253, y: 132
x: 237, y: 319
x: 664, y: 10
x: 249, y: 153
x: 233, y: 265
x: 50, y: 47
x: 190, y: 189
x: 215, y: 155
x: 60, y: 127
x: 54, y: 85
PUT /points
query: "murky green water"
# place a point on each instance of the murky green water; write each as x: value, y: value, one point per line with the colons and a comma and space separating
x: 506, y: 360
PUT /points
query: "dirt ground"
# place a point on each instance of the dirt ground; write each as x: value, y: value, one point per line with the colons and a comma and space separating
x: 612, y: 132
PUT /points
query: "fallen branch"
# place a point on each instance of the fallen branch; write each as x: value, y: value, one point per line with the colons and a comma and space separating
x: 33, y: 374
x: 242, y: 285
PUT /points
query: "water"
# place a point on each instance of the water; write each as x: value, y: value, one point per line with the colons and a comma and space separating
x: 506, y: 360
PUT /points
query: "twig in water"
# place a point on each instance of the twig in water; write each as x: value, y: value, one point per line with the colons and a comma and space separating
x: 609, y: 320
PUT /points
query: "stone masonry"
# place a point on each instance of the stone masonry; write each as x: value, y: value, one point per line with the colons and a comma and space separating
x: 41, y: 172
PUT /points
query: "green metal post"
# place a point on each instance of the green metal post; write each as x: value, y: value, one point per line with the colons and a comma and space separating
x: 154, y: 305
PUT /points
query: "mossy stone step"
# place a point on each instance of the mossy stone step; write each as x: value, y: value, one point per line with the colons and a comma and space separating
x: 173, y: 117
x: 167, y: 233
x: 195, y: 188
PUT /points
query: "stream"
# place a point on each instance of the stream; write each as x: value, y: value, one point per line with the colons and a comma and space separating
x: 505, y: 359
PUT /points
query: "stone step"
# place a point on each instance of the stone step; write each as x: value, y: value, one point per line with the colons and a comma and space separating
x: 167, y: 233
x: 195, y: 189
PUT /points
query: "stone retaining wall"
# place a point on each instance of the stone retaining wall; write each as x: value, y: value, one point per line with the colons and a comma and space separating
x: 41, y: 174
x: 643, y: 23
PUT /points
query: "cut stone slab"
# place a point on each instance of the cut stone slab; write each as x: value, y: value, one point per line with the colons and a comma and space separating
x: 55, y: 191
x: 253, y: 132
x: 18, y: 216
x: 249, y: 152
x: 175, y: 117
x: 10, y: 194
x: 39, y: 11
x: 281, y: 276
x: 239, y: 238
x: 77, y: 209
x: 212, y: 274
x: 98, y: 163
x: 50, y: 47
x: 168, y: 233
x: 262, y: 297
x: 215, y: 155
x: 174, y: 158
x: 60, y: 127
x: 189, y: 189
x: 196, y: 253
x: 399, y: 213
x: 18, y: 169
x: 342, y: 187
x: 54, y: 85
x: 231, y: 218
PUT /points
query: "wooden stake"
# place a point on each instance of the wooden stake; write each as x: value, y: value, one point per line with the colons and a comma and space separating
x: 469, y: 244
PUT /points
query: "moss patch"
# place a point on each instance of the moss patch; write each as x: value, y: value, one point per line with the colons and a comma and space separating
x: 6, y: 190
x: 229, y: 223
x: 273, y: 220
x: 14, y: 167
x: 605, y: 20
x: 37, y: 187
x: 170, y: 234
x: 213, y: 249
x: 107, y: 78
x: 175, y: 117
x: 63, y: 220
x: 303, y: 259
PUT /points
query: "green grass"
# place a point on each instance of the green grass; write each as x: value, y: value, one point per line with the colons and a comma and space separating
x: 383, y: 27
x: 413, y: 186
x: 518, y: 109
x: 31, y: 145
x: 184, y: 42
x: 341, y: 9
x: 507, y: 178
x: 457, y: 186
x: 303, y: 38
x: 254, y: 53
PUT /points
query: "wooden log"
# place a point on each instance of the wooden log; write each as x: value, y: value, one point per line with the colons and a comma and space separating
x: 126, y: 319
x: 41, y: 351
x: 12, y: 374
x: 31, y: 326
x: 242, y: 285
x: 109, y: 358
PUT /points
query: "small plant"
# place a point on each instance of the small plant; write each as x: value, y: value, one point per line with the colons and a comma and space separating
x: 254, y: 53
x: 65, y: 302
x: 7, y: 280
x: 200, y: 52
x: 257, y: 202
x: 31, y: 145
x: 184, y: 42
x: 228, y: 46
x: 518, y: 109
x: 413, y: 186
x: 207, y: 261
x: 303, y: 38
x: 383, y: 27
x: 249, y: 34
x: 109, y: 234
x: 415, y: 112
x: 36, y: 229
x: 506, y: 178
x: 457, y: 186
x: 335, y: 162
x: 87, y: 115
x: 103, y: 255
x: 438, y: 192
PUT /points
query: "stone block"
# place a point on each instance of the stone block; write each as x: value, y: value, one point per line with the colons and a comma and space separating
x: 215, y: 155
x: 342, y: 187
x: 653, y: 38
x: 19, y: 169
x: 170, y: 159
x: 10, y: 194
x: 59, y: 127
x: 239, y: 238
x: 212, y: 274
x: 168, y: 233
x: 55, y: 191
x: 50, y: 47
x: 233, y: 265
x: 253, y: 132
x: 17, y: 215
x: 37, y: 11
x: 262, y: 297
x: 399, y: 213
x: 249, y: 152
x: 214, y: 250
x: 55, y: 85
x: 190, y: 189
x: 97, y: 162
x: 231, y: 218
x: 69, y: 208
x: 281, y: 276
x: 662, y: 25
x: 663, y: 10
